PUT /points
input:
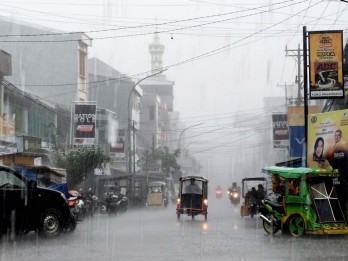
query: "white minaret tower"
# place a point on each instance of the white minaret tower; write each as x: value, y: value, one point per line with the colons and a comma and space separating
x: 156, y: 50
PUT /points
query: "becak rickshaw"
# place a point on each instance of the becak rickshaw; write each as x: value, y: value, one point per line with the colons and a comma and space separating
x: 157, y: 195
x: 253, y: 191
x: 306, y: 202
x: 193, y: 196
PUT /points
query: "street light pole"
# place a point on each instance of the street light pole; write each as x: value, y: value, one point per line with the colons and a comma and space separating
x: 130, y: 119
x: 182, y: 132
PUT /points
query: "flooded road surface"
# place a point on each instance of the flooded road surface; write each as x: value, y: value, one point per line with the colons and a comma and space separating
x: 156, y: 234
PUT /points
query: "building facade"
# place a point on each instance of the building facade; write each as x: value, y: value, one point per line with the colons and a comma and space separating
x: 61, y: 73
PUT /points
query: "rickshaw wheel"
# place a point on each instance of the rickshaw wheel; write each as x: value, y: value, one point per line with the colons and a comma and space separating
x: 205, y: 216
x: 193, y: 217
x: 270, y: 229
x: 178, y: 216
x: 296, y: 226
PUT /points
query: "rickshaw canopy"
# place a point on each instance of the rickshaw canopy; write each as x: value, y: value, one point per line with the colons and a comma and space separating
x: 248, y: 183
x: 291, y: 173
x: 194, y: 177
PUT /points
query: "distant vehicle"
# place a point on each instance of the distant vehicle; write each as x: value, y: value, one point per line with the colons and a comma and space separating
x: 234, y: 193
x: 157, y: 194
x: 252, y: 198
x: 26, y: 207
x: 193, y: 196
x: 218, y: 192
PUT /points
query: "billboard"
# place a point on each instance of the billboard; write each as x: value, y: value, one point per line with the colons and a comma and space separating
x: 325, y: 64
x: 84, y: 124
x: 280, y: 131
x: 328, y: 139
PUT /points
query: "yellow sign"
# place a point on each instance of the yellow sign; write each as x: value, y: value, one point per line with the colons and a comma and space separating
x: 327, y: 139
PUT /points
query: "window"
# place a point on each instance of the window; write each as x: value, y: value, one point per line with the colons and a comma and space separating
x: 7, y: 179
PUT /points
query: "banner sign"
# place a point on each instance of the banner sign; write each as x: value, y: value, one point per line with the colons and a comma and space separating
x: 85, y: 123
x: 325, y: 64
x: 328, y: 139
x: 297, y: 140
x: 280, y: 131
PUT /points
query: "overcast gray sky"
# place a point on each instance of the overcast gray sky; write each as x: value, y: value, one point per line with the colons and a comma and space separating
x: 224, y: 56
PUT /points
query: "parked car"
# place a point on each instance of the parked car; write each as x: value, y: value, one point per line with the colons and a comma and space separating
x: 26, y: 207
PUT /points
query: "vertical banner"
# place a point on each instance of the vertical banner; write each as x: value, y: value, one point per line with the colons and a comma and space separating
x: 85, y: 123
x: 280, y: 131
x: 297, y: 140
x: 325, y: 64
x: 328, y: 139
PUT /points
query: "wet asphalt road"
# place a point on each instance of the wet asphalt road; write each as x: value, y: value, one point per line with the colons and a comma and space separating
x: 156, y: 234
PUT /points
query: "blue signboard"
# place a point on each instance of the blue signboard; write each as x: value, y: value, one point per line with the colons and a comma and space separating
x: 297, y: 139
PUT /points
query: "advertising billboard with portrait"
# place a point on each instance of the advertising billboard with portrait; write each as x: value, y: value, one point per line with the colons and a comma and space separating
x: 328, y: 139
x: 325, y: 64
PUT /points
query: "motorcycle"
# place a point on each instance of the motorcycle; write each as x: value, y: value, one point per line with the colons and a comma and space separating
x: 114, y: 203
x: 90, y: 203
x: 234, y: 196
x: 271, y: 214
x: 218, y: 192
x: 252, y: 205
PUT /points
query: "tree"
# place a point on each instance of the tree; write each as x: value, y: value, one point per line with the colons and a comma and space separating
x: 80, y: 163
x: 163, y: 154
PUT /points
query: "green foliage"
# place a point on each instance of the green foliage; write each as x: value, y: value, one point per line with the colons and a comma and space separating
x: 80, y: 164
x: 163, y: 154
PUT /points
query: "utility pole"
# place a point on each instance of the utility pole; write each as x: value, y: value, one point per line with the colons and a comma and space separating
x: 286, y: 92
x: 296, y: 54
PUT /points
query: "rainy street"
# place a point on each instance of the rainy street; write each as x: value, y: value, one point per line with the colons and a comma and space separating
x: 155, y: 234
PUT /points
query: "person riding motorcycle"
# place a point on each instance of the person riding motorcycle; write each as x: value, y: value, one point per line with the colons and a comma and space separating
x: 252, y: 194
x: 251, y: 201
x: 218, y: 191
x: 261, y: 193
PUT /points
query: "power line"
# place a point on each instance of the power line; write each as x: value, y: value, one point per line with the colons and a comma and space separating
x: 149, y: 25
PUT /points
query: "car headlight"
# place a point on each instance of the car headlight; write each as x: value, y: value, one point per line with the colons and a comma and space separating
x: 235, y: 195
x: 178, y: 201
x: 205, y: 202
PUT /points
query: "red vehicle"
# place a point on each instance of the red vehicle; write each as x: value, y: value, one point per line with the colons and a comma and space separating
x: 193, y: 196
x: 218, y: 192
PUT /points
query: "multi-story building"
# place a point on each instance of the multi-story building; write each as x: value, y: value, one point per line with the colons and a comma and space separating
x: 118, y: 101
x: 61, y: 73
x: 158, y: 104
